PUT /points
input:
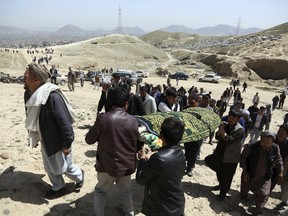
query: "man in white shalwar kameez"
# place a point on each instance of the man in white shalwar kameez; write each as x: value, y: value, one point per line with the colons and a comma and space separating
x: 49, y: 120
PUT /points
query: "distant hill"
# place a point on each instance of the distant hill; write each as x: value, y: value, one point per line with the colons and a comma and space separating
x: 218, y: 30
x: 14, y: 37
x: 159, y: 36
x: 279, y: 29
x: 11, y: 30
x: 71, y: 29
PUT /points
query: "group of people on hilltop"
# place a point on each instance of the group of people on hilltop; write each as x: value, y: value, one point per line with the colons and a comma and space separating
x: 49, y: 122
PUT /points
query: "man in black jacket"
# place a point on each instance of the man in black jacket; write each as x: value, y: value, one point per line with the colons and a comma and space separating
x: 162, y: 172
x: 104, y: 99
x: 49, y: 121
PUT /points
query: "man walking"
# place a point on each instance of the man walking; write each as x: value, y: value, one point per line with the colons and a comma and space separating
x: 227, y: 153
x: 49, y: 120
x: 71, y: 79
x: 257, y: 161
x: 117, y: 135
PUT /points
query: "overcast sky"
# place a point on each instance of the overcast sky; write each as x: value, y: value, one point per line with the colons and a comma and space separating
x: 149, y: 15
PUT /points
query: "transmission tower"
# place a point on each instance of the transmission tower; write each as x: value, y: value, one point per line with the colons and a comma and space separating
x: 119, y: 28
x: 238, y: 26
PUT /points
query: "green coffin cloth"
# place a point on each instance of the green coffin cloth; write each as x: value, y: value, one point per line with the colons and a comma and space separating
x: 199, y: 122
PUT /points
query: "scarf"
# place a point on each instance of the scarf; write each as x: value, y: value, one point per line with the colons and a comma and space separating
x: 33, y: 105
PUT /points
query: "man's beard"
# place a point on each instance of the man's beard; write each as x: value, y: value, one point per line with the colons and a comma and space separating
x: 26, y: 87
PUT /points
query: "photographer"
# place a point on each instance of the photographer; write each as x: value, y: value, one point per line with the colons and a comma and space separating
x: 161, y: 173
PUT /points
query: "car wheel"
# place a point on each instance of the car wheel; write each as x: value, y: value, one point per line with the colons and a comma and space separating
x: 213, y: 81
x: 62, y: 82
x: 200, y: 80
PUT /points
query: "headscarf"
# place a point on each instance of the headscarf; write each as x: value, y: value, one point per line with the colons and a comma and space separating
x: 39, y: 71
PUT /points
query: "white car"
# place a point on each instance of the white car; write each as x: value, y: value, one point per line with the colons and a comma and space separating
x: 209, y: 78
x: 60, y: 79
x: 142, y: 74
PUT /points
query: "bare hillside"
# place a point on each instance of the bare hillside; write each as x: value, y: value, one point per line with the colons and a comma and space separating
x: 116, y: 51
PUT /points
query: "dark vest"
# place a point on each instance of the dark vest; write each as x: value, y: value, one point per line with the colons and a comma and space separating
x: 254, y: 157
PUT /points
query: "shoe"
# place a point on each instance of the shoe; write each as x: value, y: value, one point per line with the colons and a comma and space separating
x: 190, y: 173
x: 281, y: 206
x: 221, y: 197
x: 51, y: 194
x: 80, y: 184
x: 216, y: 188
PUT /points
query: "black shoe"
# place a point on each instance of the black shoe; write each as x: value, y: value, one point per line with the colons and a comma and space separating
x: 221, y: 197
x: 190, y: 173
x: 281, y: 206
x: 216, y: 188
x: 80, y: 184
x: 51, y: 194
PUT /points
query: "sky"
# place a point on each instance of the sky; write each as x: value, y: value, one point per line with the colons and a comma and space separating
x: 148, y: 15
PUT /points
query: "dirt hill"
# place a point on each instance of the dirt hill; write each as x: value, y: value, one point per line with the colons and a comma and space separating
x: 254, y: 57
x: 116, y: 51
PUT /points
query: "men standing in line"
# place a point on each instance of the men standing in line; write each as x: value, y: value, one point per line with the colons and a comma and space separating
x: 117, y: 135
x: 148, y: 101
x: 71, y: 79
x: 228, y: 151
x: 162, y: 172
x: 257, y: 161
x: 49, y: 120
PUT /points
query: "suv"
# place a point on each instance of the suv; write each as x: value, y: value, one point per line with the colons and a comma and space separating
x: 130, y: 75
x: 209, y: 78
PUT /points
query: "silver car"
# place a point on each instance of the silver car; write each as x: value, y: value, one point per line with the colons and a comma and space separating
x: 209, y: 78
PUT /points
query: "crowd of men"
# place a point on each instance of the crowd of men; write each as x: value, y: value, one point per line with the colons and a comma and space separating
x: 263, y: 161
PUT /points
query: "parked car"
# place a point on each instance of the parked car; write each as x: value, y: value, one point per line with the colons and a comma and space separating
x: 90, y: 75
x: 144, y: 74
x: 180, y: 75
x: 209, y: 78
x: 130, y: 75
x: 60, y: 79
